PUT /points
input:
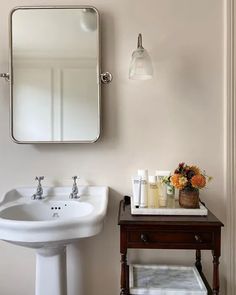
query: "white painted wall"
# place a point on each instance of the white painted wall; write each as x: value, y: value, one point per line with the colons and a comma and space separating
x: 177, y: 116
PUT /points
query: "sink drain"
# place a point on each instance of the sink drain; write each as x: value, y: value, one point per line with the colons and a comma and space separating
x: 55, y: 215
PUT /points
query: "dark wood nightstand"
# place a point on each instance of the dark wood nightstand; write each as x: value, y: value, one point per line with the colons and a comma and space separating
x: 169, y: 232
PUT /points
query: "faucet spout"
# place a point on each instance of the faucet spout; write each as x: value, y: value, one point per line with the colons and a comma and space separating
x: 39, y: 191
x: 75, y: 191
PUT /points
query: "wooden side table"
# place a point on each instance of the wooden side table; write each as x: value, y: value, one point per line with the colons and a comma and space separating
x: 169, y: 232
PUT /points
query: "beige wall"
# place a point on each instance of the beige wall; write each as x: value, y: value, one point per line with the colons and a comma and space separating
x: 177, y: 116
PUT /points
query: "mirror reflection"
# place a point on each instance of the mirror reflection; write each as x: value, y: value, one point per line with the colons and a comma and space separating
x: 55, y: 70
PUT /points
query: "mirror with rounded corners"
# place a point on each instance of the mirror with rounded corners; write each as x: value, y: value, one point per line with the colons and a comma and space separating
x: 55, y: 74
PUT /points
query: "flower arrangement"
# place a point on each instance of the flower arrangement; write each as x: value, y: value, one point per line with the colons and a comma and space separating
x: 189, y: 177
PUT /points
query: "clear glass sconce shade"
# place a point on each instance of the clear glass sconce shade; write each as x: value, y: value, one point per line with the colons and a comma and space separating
x: 141, y: 64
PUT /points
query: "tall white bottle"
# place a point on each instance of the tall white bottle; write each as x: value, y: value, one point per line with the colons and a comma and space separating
x: 136, y: 184
x: 144, y: 188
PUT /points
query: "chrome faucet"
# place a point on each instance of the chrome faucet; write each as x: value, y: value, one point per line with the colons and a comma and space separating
x: 39, y: 191
x: 74, y: 193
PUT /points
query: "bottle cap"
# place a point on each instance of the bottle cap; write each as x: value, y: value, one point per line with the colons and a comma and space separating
x: 143, y: 173
x: 152, y: 179
x: 162, y: 173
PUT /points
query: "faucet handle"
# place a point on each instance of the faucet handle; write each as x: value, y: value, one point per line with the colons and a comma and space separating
x: 39, y: 190
x: 75, y: 178
x: 39, y: 178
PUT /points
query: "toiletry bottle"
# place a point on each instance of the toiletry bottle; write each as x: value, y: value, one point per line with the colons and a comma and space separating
x: 162, y: 194
x: 170, y: 190
x: 144, y: 188
x: 162, y: 187
x: 136, y: 186
x: 153, y: 199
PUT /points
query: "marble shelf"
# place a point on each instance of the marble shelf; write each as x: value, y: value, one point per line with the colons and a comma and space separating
x: 165, y: 280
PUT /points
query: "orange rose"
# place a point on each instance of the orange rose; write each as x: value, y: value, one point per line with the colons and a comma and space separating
x: 178, y: 181
x: 198, y: 181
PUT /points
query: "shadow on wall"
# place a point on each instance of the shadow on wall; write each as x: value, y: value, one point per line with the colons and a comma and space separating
x: 85, y: 258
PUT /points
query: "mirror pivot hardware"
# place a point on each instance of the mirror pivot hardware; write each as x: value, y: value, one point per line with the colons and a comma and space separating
x: 106, y: 77
x: 6, y: 76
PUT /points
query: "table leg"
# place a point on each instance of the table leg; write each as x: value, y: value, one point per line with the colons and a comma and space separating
x: 216, y: 280
x: 127, y: 279
x: 123, y: 281
x: 198, y: 263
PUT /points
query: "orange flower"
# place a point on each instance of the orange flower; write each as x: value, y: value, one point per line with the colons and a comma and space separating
x: 178, y: 181
x: 198, y: 181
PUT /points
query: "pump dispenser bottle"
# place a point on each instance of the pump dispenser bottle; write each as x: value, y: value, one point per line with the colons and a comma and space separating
x: 143, y: 173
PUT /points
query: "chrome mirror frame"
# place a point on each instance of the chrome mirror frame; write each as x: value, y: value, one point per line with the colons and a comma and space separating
x: 9, y: 76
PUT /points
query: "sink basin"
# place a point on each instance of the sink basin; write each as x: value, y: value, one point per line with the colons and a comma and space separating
x: 56, y: 219
x: 48, y: 225
x: 47, y: 210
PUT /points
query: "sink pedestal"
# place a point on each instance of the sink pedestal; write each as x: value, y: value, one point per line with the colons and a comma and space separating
x: 51, y: 271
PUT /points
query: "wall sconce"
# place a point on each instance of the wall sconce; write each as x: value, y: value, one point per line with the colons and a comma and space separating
x: 141, y: 64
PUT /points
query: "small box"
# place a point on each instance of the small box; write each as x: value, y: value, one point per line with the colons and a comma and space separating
x: 165, y: 280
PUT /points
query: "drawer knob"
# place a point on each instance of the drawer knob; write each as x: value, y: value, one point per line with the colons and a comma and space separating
x: 144, y: 238
x: 198, y: 238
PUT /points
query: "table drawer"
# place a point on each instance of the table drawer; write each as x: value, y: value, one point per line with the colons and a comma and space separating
x: 146, y: 237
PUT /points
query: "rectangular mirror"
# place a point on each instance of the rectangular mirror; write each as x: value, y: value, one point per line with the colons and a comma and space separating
x: 55, y: 74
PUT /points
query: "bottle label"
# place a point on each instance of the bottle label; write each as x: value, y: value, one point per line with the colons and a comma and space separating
x: 152, y: 186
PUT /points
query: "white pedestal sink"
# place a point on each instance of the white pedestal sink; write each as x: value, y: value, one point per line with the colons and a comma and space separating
x: 49, y: 225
